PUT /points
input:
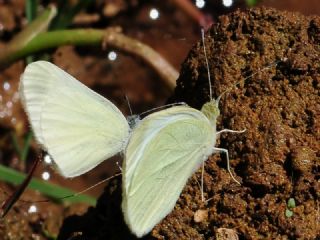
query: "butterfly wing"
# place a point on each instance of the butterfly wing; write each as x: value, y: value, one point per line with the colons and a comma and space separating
x: 163, y: 152
x: 78, y: 127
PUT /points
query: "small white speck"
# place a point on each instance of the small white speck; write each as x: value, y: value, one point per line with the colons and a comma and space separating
x: 13, y: 120
x: 47, y: 159
x: 9, y: 104
x: 112, y: 56
x: 45, y: 175
x: 154, y: 14
x: 200, y: 3
x: 6, y: 86
x: 32, y: 209
x: 227, y: 3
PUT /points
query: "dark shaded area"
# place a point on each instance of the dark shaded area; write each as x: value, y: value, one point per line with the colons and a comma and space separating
x: 277, y: 158
x: 97, y: 222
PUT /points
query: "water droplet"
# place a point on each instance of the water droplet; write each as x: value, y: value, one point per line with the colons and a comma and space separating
x: 200, y: 3
x: 32, y: 209
x: 6, y: 86
x: 9, y: 104
x: 47, y: 159
x: 45, y: 175
x: 154, y: 14
x: 112, y: 56
x: 227, y: 3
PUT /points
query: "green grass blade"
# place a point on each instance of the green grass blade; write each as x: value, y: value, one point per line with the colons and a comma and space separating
x: 26, y: 146
x: 31, y: 14
x: 31, y: 9
x: 48, y: 189
x: 66, y: 13
x: 23, y: 150
x: 252, y: 3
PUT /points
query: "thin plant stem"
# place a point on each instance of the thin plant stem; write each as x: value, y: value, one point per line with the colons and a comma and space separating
x: 21, y: 40
x: 6, y: 206
x: 205, y: 21
x: 84, y: 37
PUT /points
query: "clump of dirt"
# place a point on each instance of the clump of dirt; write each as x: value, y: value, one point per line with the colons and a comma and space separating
x: 276, y: 56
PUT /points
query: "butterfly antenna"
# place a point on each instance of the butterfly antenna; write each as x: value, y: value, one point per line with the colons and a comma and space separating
x: 162, y: 107
x: 207, y: 63
x: 129, y: 106
x: 75, y: 194
x: 210, y: 95
x: 243, y: 80
x: 93, y: 186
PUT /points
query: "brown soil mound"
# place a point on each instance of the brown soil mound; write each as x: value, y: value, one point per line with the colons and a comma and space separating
x: 276, y: 159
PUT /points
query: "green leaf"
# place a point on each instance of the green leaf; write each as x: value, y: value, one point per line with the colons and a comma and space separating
x: 251, y: 3
x: 48, y: 189
x: 289, y: 213
x: 291, y: 203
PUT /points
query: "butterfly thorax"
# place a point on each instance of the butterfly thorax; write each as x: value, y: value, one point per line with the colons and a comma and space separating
x: 133, y: 120
x: 211, y: 111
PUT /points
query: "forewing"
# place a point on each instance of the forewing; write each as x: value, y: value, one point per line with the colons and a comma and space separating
x: 163, y: 152
x: 78, y: 127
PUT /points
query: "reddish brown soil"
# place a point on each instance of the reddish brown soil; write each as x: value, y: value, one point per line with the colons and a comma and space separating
x: 276, y: 159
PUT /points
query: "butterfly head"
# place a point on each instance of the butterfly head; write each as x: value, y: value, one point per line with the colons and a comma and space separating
x: 211, y: 110
x: 133, y: 120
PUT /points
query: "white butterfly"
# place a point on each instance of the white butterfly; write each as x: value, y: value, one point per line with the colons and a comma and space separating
x: 164, y: 150
x: 79, y: 128
x: 76, y: 126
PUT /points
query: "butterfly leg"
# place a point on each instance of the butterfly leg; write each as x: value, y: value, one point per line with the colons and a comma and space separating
x: 120, y: 168
x: 231, y: 131
x: 200, y: 184
x: 228, y: 162
x: 202, y: 173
